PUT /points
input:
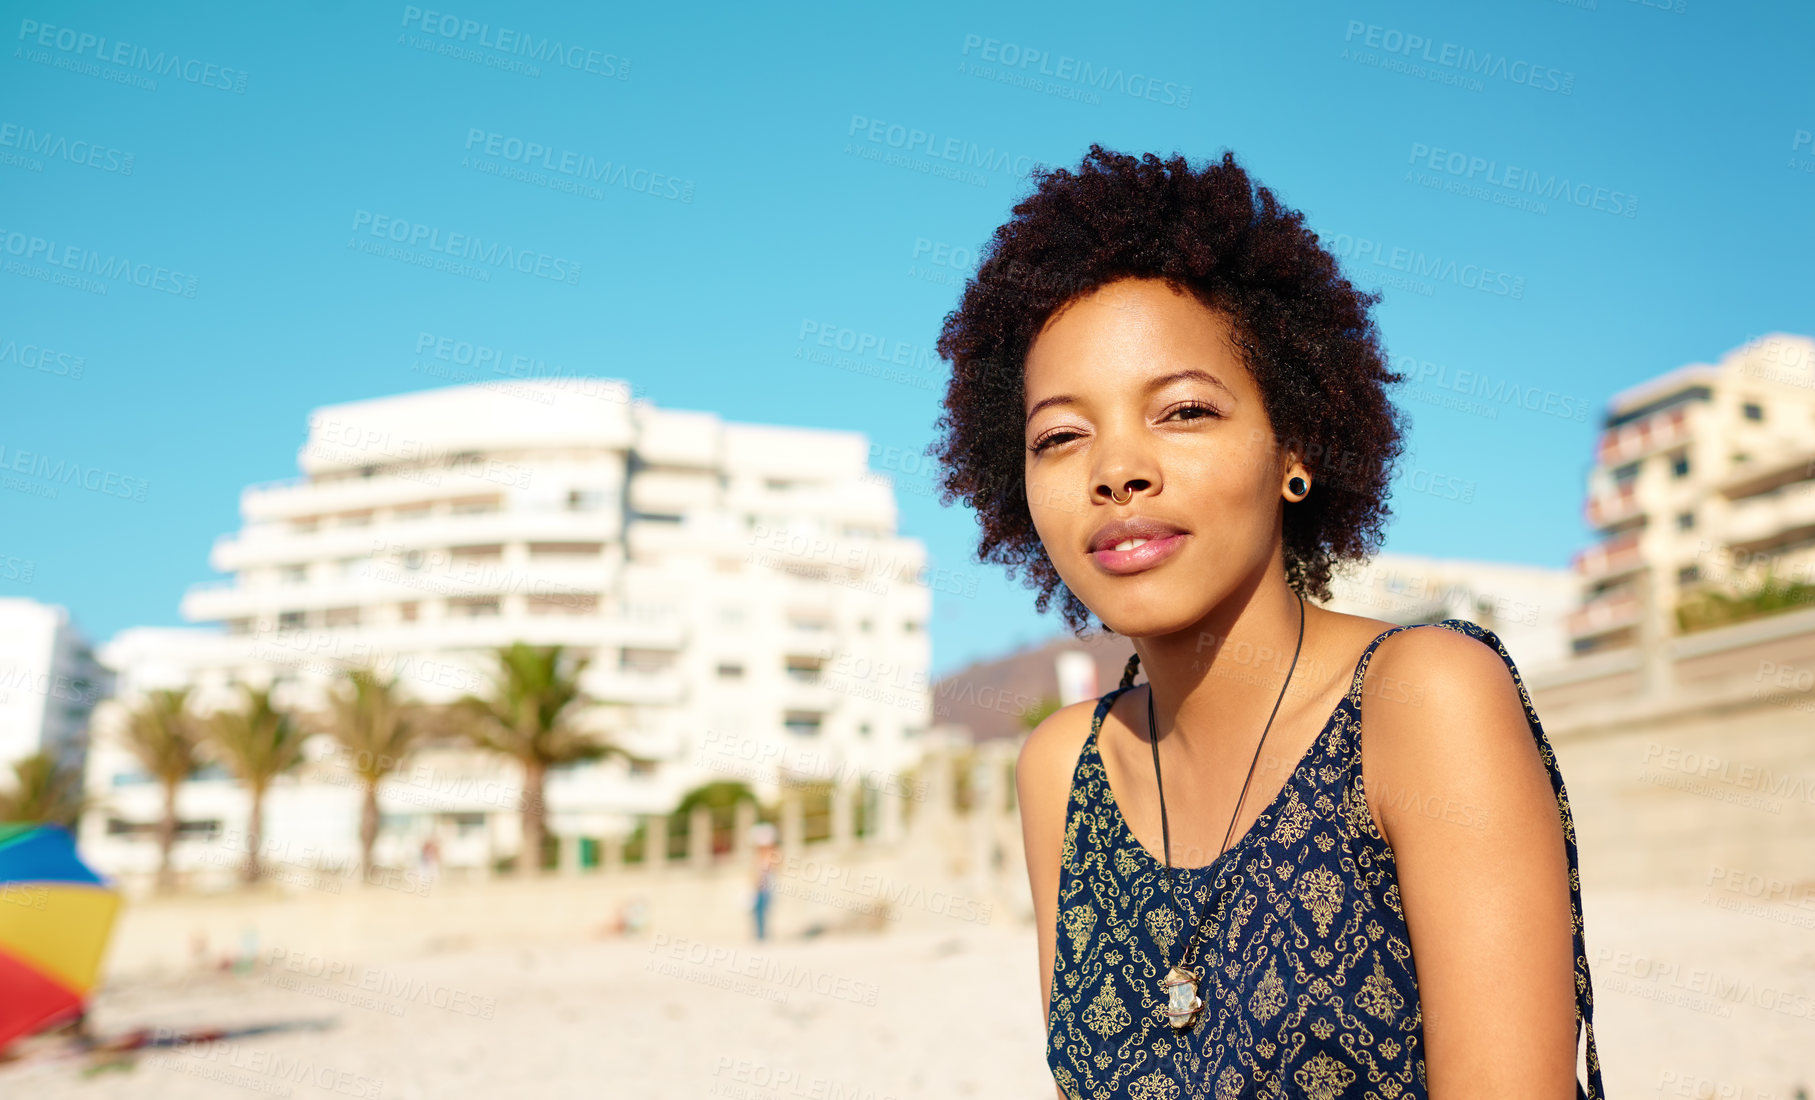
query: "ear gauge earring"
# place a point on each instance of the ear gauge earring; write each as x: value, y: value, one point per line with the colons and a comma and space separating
x: 1298, y: 487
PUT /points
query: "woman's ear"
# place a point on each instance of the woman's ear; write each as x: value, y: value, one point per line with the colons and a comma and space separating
x: 1297, y: 481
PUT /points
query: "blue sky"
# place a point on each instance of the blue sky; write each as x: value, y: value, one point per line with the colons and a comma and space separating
x: 228, y: 167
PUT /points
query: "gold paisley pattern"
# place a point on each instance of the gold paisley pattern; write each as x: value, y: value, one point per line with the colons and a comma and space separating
x: 1308, y: 984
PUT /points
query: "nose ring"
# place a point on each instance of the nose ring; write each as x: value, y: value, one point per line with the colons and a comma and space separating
x: 1121, y: 500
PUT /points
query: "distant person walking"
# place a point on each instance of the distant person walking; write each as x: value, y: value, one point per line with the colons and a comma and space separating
x: 763, y: 836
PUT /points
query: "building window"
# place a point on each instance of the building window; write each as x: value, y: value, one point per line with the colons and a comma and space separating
x: 472, y: 506
x: 473, y: 607
x: 1753, y: 410
x: 805, y: 670
x: 294, y: 574
x: 291, y: 620
x: 343, y: 616
x: 1625, y: 473
x: 1685, y: 521
x: 565, y: 603
x: 910, y: 627
x: 730, y: 670
x: 632, y: 659
x: 1679, y: 465
x: 1689, y: 574
x: 803, y: 723
x: 863, y: 730
x: 356, y: 519
x: 415, y: 511
x: 305, y: 525
x: 407, y: 612
x: 565, y: 549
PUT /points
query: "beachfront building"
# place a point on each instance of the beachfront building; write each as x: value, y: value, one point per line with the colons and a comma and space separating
x: 1526, y: 606
x: 740, y: 590
x: 1703, y: 487
x: 49, y: 683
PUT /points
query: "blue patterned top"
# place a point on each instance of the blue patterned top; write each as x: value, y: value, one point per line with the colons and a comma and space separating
x: 1308, y: 981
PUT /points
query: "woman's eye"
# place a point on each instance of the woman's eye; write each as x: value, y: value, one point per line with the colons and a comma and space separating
x: 1048, y: 440
x: 1197, y: 411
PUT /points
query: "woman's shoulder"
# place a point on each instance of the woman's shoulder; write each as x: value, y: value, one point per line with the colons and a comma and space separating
x: 1454, y: 662
x: 1049, y: 756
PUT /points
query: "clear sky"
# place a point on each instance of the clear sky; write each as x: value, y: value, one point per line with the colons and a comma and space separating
x: 690, y: 189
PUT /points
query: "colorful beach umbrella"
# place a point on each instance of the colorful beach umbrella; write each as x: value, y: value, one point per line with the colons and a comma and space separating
x: 55, y: 917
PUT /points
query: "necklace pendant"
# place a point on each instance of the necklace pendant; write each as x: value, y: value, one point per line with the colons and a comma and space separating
x: 1182, y: 1001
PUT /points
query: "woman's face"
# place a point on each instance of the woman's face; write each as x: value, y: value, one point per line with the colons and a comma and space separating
x: 1137, y: 391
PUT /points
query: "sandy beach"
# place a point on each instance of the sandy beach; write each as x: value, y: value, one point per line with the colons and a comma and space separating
x: 1692, y: 1000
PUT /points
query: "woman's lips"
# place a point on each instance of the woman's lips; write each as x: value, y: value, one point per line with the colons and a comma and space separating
x: 1145, y: 556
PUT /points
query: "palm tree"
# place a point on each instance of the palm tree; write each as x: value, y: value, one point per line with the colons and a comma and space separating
x: 167, y: 740
x: 378, y: 729
x: 43, y: 790
x: 529, y: 716
x: 258, y: 742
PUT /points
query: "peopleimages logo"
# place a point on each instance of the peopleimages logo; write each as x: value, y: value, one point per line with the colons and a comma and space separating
x: 81, y: 44
x: 577, y: 166
x: 461, y: 246
x: 42, y: 250
x: 504, y: 40
x: 1415, y: 264
x: 1018, y: 59
x: 1459, y: 59
x: 910, y: 139
x: 56, y: 146
x: 1529, y: 181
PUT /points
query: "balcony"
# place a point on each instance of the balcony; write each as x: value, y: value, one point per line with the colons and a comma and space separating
x: 1615, y: 507
x: 613, y: 685
x: 263, y: 545
x: 1771, y: 519
x: 1633, y: 441
x: 1605, y: 613
x: 1610, y: 558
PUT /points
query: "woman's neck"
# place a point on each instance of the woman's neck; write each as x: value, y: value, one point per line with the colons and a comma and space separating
x: 1223, y: 676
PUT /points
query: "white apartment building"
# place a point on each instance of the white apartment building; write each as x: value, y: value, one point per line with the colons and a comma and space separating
x: 1704, y: 479
x: 49, y: 684
x: 1526, y: 606
x: 749, y: 610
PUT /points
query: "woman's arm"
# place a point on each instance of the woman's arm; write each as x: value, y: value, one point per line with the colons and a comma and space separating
x: 1453, y: 777
x: 1043, y: 772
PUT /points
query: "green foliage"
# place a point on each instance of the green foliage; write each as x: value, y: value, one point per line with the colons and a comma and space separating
x: 1039, y: 712
x: 258, y: 741
x: 375, y: 726
x: 1711, y: 609
x: 528, y: 714
x: 164, y: 736
x: 42, y: 791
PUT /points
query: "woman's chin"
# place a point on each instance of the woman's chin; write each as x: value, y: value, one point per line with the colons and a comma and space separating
x: 1165, y: 617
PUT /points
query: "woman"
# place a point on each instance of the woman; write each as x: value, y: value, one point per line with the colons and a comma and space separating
x: 1167, y: 405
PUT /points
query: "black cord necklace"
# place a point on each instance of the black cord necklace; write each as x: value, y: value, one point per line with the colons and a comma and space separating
x: 1179, y: 987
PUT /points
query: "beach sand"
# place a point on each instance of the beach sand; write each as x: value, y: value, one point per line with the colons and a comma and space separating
x: 1692, y: 1000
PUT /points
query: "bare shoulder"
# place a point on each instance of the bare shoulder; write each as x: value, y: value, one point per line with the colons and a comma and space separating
x: 1049, y: 756
x: 1436, y: 671
x: 1442, y: 716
